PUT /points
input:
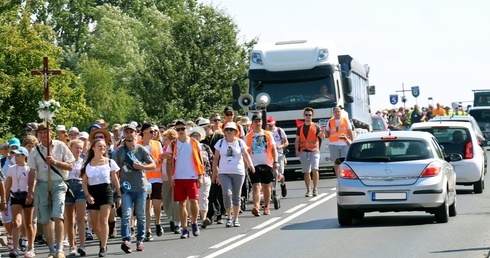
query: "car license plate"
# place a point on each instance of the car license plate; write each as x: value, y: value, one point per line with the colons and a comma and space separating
x: 389, y: 196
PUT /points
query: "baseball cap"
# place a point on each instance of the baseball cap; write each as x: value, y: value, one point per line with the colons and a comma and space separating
x: 74, y: 129
x: 21, y: 150
x: 83, y: 135
x: 229, y: 109
x: 271, y: 120
x: 180, y: 121
x: 130, y: 126
x: 14, y: 142
x: 256, y: 117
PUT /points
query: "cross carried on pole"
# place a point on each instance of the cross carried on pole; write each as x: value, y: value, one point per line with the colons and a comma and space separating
x: 46, y: 72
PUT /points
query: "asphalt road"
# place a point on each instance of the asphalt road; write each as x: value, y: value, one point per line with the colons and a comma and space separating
x: 308, y: 227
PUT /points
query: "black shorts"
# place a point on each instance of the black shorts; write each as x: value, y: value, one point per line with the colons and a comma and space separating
x: 156, y: 192
x: 21, y: 200
x: 102, y: 195
x: 263, y: 174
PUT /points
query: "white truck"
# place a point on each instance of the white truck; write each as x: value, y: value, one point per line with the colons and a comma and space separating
x: 285, y: 77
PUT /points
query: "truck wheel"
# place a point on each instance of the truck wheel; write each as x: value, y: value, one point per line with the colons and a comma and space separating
x: 344, y: 216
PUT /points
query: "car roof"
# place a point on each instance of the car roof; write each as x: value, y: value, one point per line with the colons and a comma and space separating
x: 399, y: 134
x: 451, y: 118
x: 442, y: 123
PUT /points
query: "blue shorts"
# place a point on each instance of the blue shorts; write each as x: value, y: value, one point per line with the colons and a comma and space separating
x: 76, y: 188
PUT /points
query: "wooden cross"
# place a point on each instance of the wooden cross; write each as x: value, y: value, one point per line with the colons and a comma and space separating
x: 46, y: 73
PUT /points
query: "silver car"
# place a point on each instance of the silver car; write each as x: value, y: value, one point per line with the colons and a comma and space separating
x: 396, y: 171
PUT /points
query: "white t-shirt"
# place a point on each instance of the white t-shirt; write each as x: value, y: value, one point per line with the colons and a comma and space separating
x: 278, y: 136
x: 101, y: 174
x: 260, y: 154
x: 231, y: 159
x: 184, y: 165
x: 75, y: 171
x: 19, y: 177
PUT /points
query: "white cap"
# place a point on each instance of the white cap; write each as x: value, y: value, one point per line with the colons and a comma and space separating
x: 74, y: 129
x: 83, y: 135
x: 61, y: 128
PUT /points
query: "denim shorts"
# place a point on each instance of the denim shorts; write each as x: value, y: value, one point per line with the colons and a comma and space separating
x: 49, y: 205
x: 76, y: 188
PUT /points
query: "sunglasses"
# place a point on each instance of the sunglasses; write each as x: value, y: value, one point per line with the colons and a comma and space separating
x: 308, y: 115
x: 229, y: 114
x: 216, y: 120
x: 152, y: 131
x: 257, y: 121
x: 180, y: 129
x: 99, y: 137
x: 229, y: 130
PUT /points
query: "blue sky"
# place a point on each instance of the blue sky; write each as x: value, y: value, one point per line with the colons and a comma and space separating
x: 441, y: 46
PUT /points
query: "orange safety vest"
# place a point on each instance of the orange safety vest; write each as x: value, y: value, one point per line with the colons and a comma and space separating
x: 268, y: 138
x: 157, y: 173
x: 342, y: 129
x: 311, y: 143
x: 196, y: 156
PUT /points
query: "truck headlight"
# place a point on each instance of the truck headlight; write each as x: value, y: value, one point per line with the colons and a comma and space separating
x: 322, y: 54
x: 257, y: 58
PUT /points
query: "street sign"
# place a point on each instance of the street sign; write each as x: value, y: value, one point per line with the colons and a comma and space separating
x: 393, y: 99
x: 415, y: 91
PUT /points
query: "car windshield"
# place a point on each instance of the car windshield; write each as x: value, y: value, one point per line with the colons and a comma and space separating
x: 389, y: 151
x: 378, y: 124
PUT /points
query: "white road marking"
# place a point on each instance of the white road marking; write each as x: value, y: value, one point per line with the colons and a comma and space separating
x: 280, y: 223
x: 227, y: 241
x: 333, y: 189
x: 266, y: 223
x: 295, y: 208
x: 314, y: 199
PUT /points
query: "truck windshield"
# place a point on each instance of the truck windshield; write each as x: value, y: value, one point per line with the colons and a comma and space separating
x: 296, y: 95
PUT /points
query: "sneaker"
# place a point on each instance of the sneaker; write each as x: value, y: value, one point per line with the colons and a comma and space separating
x: 206, y: 222
x: 51, y: 255
x: 13, y: 253
x: 159, y: 230
x: 126, y: 247
x: 65, y: 242
x: 315, y: 192
x: 284, y: 191
x: 10, y: 242
x: 267, y: 211
x: 219, y: 221
x: 59, y: 254
x: 308, y: 193
x: 255, y: 212
x: 148, y: 236
x: 102, y: 252
x: 41, y: 240
x: 81, y: 250
x: 195, y: 229
x: 139, y: 246
x: 73, y: 251
x: 30, y: 254
x: 236, y: 223
x: 185, y: 234
x: 23, y: 244
x: 172, y: 225
x: 89, y: 236
x: 178, y: 230
x: 228, y: 222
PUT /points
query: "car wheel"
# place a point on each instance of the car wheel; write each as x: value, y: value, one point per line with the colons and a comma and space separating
x: 452, y: 208
x: 358, y: 214
x: 442, y: 213
x: 344, y: 216
x: 478, y: 186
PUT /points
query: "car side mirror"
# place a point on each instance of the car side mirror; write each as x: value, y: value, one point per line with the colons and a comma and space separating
x: 339, y: 161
